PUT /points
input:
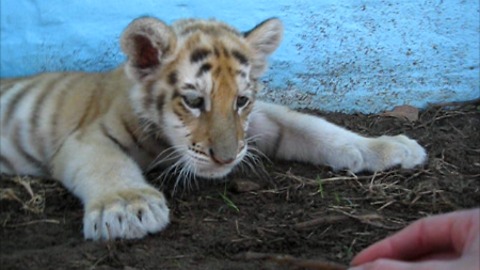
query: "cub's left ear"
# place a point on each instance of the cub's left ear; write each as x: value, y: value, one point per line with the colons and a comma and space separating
x: 264, y: 39
x: 146, y: 42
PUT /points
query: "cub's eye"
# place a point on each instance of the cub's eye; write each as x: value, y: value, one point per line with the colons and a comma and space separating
x: 194, y: 102
x: 242, y: 101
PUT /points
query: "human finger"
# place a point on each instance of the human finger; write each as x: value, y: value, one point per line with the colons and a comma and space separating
x: 448, y: 234
x: 382, y: 264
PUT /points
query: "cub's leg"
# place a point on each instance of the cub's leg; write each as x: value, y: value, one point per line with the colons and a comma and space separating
x: 282, y: 133
x: 118, y: 201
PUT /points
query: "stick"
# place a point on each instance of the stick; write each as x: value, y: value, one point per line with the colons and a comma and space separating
x: 291, y: 261
x: 320, y: 221
x: 367, y: 218
x: 53, y: 221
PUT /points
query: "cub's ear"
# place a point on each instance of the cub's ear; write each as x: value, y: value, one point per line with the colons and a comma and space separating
x: 146, y: 42
x: 264, y: 39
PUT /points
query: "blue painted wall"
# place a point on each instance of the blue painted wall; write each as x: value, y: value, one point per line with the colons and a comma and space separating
x: 337, y: 55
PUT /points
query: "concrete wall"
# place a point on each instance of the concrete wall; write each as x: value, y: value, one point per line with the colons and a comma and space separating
x: 337, y: 55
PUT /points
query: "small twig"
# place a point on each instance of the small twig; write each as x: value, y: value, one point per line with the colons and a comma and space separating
x: 336, y: 219
x: 176, y: 257
x: 386, y: 205
x: 320, y: 221
x: 369, y: 219
x: 236, y: 227
x: 53, y: 221
x: 291, y: 261
x: 314, y: 182
x: 420, y: 172
x: 98, y: 261
x: 370, y: 187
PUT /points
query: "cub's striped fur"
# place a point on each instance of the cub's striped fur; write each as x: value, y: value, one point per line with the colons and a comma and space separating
x: 184, y: 101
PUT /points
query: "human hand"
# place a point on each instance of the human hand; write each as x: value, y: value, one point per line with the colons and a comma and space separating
x: 448, y: 241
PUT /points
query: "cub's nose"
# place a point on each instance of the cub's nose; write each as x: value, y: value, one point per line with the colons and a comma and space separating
x: 220, y: 159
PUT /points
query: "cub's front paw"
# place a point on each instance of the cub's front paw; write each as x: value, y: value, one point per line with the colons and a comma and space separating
x: 378, y: 154
x: 125, y: 214
x: 388, y: 151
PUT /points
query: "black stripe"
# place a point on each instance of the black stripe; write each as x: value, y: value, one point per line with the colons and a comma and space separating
x: 39, y: 102
x: 113, y: 139
x: 225, y: 52
x: 27, y: 156
x: 216, y: 51
x: 160, y: 103
x: 54, y: 124
x: 183, y: 110
x: 189, y: 86
x: 240, y: 57
x: 137, y: 141
x: 59, y: 108
x: 199, y: 54
x: 85, y: 113
x: 46, y: 90
x: 7, y: 84
x: 12, y: 105
x: 59, y: 105
x: 80, y: 123
x: 131, y: 134
x: 7, y: 164
x: 177, y: 93
x: 39, y: 140
x: 203, y: 69
x: 172, y: 78
x: 55, y: 116
x: 217, y: 71
x: 243, y: 74
x: 148, y: 99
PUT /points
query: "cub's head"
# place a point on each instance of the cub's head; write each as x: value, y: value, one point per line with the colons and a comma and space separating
x: 196, y: 81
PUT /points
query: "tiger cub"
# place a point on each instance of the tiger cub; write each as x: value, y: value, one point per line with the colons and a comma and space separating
x: 184, y: 100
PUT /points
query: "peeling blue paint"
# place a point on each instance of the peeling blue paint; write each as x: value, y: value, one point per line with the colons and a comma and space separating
x: 351, y: 56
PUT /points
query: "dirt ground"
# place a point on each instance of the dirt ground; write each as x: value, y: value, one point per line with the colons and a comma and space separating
x: 308, y: 212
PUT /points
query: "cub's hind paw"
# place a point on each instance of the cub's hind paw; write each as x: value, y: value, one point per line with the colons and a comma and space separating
x: 126, y: 214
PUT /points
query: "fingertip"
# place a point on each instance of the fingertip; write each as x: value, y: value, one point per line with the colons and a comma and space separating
x: 359, y: 266
x: 361, y: 261
x: 355, y: 261
x: 367, y: 255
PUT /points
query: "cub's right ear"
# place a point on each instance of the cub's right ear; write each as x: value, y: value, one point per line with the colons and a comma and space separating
x: 146, y: 42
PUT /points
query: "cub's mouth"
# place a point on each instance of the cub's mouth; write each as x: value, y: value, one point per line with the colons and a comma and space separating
x: 209, y: 166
